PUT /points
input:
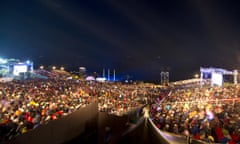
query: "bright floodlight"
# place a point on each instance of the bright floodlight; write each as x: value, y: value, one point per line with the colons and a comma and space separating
x: 53, y: 67
x: 82, y: 68
x: 28, y: 62
x: 41, y: 67
x: 62, y: 68
x: 196, y: 75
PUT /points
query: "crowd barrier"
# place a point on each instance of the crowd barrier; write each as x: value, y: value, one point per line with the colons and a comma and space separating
x: 165, y: 137
x: 142, y: 134
x: 64, y: 129
x: 111, y: 127
x: 170, y: 138
x: 74, y: 126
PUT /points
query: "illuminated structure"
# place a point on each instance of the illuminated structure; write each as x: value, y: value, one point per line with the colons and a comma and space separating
x: 82, y: 72
x: 216, y: 75
x: 15, y: 68
x: 164, y: 77
x: 4, y: 68
x: 109, y: 75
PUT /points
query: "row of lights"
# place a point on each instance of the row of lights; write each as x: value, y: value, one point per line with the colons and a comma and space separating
x: 53, y: 68
x: 61, y: 68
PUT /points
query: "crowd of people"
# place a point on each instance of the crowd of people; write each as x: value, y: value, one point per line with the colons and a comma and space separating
x: 204, y: 113
x: 27, y: 104
x: 210, y: 114
x: 24, y: 105
x: 121, y: 98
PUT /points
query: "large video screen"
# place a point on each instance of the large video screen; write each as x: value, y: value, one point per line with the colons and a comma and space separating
x: 19, y: 69
x: 217, y: 79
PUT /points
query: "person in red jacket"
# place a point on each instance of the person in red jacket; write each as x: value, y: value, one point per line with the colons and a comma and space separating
x: 219, y: 135
x: 235, y: 137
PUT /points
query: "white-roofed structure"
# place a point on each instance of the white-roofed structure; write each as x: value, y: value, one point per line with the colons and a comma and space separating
x: 217, y: 75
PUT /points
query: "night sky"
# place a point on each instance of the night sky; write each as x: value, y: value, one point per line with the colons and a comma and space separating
x: 137, y: 38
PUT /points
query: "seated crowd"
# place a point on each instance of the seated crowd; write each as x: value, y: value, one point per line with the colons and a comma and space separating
x: 121, y: 98
x: 25, y: 105
x: 210, y: 114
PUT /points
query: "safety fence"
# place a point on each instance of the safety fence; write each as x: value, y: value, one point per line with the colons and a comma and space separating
x: 64, y: 129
